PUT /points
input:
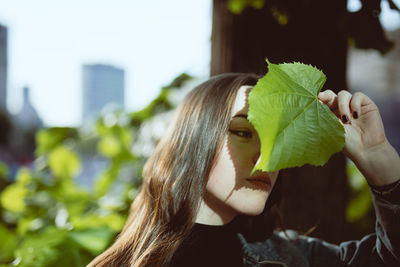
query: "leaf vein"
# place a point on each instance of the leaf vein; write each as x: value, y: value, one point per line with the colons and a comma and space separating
x: 294, y: 119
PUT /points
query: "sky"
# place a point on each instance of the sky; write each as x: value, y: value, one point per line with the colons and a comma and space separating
x: 49, y: 41
x: 152, y: 40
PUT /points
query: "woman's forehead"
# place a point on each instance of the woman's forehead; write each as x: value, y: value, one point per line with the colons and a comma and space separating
x: 241, y: 104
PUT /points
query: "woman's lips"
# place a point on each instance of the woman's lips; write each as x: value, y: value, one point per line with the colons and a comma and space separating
x: 260, y: 181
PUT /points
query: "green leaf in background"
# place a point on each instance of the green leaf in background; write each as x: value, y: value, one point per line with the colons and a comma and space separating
x: 113, y: 221
x: 361, y: 201
x: 294, y: 127
x: 237, y: 6
x: 94, y: 240
x: 7, y: 245
x: 63, y: 162
x: 12, y: 198
x: 109, y: 146
x: 41, y: 249
x: 106, y: 179
x: 48, y: 139
x: 24, y: 176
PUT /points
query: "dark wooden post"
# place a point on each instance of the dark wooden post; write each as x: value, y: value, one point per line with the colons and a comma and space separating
x: 314, y: 35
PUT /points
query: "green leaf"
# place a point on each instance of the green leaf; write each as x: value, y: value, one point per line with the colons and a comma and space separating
x: 8, y: 244
x: 41, y: 249
x: 95, y: 240
x: 294, y: 127
x: 360, y: 203
x: 109, y: 146
x: 48, y: 139
x: 106, y: 179
x: 13, y: 198
x: 63, y: 162
x: 113, y: 221
x: 237, y: 6
x: 24, y: 176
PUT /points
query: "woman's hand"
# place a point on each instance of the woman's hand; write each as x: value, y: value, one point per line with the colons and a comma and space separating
x: 360, y: 118
x: 366, y: 144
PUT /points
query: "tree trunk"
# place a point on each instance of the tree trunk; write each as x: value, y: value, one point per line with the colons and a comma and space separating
x: 314, y: 34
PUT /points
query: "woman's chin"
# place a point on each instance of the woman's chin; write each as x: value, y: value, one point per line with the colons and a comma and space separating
x: 253, y: 210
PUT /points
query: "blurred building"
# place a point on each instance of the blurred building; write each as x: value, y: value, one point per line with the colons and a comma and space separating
x: 26, y: 123
x: 28, y: 118
x: 3, y: 67
x: 102, y: 85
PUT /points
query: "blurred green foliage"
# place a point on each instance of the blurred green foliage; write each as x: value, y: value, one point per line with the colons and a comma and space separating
x: 47, y: 218
x: 237, y: 6
x: 360, y: 213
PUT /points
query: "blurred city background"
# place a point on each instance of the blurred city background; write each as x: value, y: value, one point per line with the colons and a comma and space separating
x: 87, y: 89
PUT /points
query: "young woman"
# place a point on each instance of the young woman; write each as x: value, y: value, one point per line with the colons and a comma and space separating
x: 199, y: 204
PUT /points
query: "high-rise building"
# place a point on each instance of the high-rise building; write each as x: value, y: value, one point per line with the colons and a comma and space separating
x: 3, y: 68
x: 102, y: 85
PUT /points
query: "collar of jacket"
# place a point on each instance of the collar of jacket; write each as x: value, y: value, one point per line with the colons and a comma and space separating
x: 277, y: 250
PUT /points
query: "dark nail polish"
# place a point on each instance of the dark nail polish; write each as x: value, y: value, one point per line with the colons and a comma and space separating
x: 355, y: 115
x: 345, y: 119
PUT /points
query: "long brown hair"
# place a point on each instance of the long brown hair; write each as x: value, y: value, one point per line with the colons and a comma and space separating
x: 175, y: 176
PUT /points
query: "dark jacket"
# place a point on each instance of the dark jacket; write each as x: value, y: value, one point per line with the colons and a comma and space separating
x: 379, y: 249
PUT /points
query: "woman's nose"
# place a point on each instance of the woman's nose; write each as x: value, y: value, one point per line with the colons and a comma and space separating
x: 255, y: 158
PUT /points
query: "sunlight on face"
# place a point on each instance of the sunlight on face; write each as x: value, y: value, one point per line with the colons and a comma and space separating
x: 231, y: 188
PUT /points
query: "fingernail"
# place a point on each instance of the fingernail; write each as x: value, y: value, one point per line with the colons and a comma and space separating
x: 355, y: 115
x: 345, y: 119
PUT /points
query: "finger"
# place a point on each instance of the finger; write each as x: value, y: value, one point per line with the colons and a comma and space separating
x: 355, y: 104
x: 344, y: 98
x: 329, y: 98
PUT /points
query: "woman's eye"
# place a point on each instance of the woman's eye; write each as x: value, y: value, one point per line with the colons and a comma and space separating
x: 240, y: 133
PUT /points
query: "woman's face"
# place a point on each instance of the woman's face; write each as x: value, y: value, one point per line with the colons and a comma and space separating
x: 231, y: 188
